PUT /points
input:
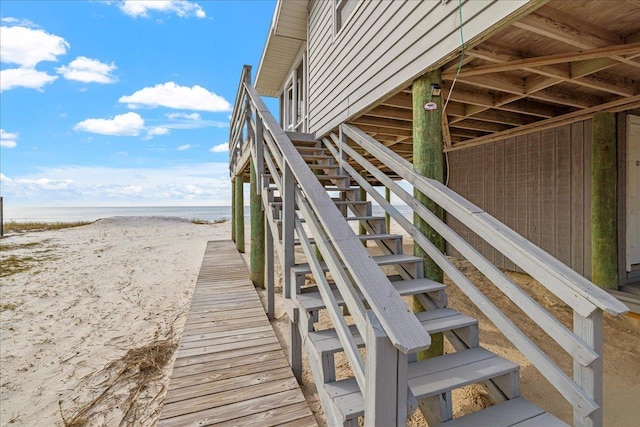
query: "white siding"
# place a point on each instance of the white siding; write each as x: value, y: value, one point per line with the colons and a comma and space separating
x: 384, y: 47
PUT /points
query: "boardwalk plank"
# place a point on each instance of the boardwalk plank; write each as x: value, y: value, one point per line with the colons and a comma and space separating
x: 230, y: 368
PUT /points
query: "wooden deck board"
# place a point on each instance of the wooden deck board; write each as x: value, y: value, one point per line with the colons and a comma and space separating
x: 229, y: 368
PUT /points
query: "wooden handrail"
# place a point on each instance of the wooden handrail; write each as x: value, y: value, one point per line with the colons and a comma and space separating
x: 403, y: 328
x: 573, y: 289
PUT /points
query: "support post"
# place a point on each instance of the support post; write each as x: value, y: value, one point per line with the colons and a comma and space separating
x: 386, y: 369
x: 239, y: 212
x: 257, y: 229
x: 589, y: 378
x: 428, y: 161
x: 387, y: 217
x: 288, y: 227
x: 362, y: 197
x: 233, y: 209
x: 269, y: 271
x: 604, y: 244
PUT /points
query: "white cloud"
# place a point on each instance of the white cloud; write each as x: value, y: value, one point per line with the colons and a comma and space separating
x: 220, y: 148
x: 184, y: 147
x: 188, y: 116
x: 24, y: 77
x: 156, y: 131
x: 8, y: 140
x: 88, y: 70
x: 11, y: 21
x: 182, y: 8
x: 128, y: 124
x: 171, y: 95
x: 187, y: 185
x: 27, y: 47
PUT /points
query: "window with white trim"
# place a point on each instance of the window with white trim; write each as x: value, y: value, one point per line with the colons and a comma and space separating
x: 343, y: 9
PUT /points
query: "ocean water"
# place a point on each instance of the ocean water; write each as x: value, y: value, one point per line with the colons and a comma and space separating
x: 73, y: 214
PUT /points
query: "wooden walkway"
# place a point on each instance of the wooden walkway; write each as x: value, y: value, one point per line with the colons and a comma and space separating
x: 230, y: 369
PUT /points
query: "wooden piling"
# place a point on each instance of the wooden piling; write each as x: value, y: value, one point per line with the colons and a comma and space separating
x: 233, y: 209
x: 604, y: 245
x: 239, y: 212
x: 256, y: 263
x: 428, y: 161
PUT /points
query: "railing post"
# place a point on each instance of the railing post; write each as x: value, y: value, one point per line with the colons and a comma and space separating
x: 259, y: 141
x: 269, y: 270
x: 385, y: 393
x: 589, y: 378
x: 288, y: 227
x: 387, y: 217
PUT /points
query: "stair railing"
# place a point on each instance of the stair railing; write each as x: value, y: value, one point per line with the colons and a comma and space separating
x: 389, y: 328
x: 584, y: 343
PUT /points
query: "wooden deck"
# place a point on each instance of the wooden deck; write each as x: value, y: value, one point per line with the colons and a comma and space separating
x: 230, y: 369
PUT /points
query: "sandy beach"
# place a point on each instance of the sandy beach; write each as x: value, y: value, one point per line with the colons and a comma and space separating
x: 88, y: 328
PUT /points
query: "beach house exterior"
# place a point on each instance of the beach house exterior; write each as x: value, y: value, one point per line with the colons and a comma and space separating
x: 520, y: 120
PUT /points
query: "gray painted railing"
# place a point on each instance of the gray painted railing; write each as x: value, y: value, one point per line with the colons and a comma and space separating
x: 390, y: 329
x: 583, y: 344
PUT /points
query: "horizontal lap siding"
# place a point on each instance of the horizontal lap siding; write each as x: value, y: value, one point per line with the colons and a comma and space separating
x: 383, y: 47
x: 537, y: 184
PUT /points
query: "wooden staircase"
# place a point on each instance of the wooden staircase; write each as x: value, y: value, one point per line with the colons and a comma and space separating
x: 310, y: 192
x: 430, y: 381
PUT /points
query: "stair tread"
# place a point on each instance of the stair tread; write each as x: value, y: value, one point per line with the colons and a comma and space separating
x: 444, y: 373
x: 347, y: 218
x: 515, y: 412
x: 455, y: 370
x: 313, y: 300
x: 337, y: 202
x: 380, y: 260
x: 443, y: 319
x: 317, y: 156
x: 367, y: 237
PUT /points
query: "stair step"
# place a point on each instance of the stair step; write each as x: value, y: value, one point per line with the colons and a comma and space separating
x: 316, y: 156
x: 381, y: 260
x: 450, y: 371
x: 336, y: 202
x: 329, y: 177
x: 347, y: 218
x: 347, y: 398
x: 303, y: 150
x: 301, y: 137
x: 515, y: 412
x: 439, y: 375
x: 441, y: 320
x: 316, y: 166
x: 335, y: 188
x: 313, y: 300
x: 366, y: 237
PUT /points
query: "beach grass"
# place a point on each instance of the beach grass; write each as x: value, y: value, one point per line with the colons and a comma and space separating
x: 205, y: 222
x: 22, y: 227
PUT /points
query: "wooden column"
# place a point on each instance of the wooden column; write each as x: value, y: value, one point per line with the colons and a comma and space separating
x: 239, y: 212
x: 604, y: 243
x: 233, y: 209
x: 362, y: 197
x: 428, y: 160
x: 256, y: 263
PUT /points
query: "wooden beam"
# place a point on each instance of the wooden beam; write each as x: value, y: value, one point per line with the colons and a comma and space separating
x: 609, y: 51
x: 604, y: 246
x: 567, y: 29
x: 575, y: 116
x: 383, y: 123
x: 499, y: 116
x: 390, y: 113
x: 428, y: 161
x: 478, y: 125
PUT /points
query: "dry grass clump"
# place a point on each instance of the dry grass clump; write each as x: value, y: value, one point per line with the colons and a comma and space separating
x: 205, y: 222
x: 135, y: 371
x: 22, y: 227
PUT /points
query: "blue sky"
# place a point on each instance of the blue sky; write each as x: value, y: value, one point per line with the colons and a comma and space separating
x: 122, y: 102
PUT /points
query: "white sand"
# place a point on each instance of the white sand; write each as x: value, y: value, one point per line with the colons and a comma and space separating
x: 95, y: 292
x: 92, y: 293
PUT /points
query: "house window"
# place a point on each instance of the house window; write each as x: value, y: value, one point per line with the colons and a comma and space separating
x: 343, y: 9
x: 293, y: 101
